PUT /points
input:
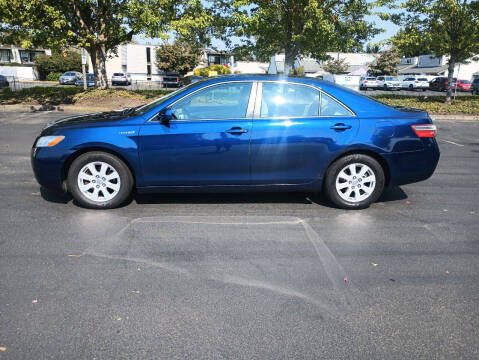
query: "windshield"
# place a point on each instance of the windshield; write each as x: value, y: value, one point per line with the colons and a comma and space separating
x: 390, y: 78
x: 422, y: 79
x: 464, y: 81
x: 143, y: 109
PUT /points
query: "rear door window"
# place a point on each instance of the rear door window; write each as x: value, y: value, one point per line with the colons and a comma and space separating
x: 331, y: 107
x: 289, y: 100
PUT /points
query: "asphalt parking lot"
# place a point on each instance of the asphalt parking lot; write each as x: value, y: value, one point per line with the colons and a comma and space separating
x: 250, y: 276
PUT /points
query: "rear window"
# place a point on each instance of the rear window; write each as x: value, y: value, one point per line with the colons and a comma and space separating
x: 390, y: 78
x: 422, y: 79
x: 371, y: 78
x: 289, y: 100
x: 464, y: 81
x: 118, y: 74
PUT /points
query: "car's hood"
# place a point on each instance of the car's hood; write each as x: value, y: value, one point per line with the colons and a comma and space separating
x: 86, y: 120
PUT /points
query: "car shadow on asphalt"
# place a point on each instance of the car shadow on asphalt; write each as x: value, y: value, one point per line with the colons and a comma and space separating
x: 394, y: 193
x: 390, y: 194
x: 55, y: 196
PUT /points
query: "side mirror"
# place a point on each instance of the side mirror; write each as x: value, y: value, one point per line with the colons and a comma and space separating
x: 165, y: 117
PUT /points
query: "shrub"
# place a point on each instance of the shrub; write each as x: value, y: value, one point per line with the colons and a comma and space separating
x: 58, y: 63
x: 45, y: 95
x: 220, y: 69
x: 54, y: 76
x: 299, y: 71
x: 433, y: 104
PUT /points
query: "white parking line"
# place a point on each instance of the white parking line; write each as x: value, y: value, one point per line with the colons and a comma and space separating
x: 451, y: 142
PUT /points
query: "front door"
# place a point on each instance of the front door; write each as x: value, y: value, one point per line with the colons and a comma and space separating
x: 295, y: 131
x: 206, y: 144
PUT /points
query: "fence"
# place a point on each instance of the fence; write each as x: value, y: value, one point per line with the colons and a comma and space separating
x: 16, y: 84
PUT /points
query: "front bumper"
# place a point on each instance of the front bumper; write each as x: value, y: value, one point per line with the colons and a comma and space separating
x: 47, y: 168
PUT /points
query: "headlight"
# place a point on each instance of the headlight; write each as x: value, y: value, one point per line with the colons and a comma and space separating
x: 49, y: 141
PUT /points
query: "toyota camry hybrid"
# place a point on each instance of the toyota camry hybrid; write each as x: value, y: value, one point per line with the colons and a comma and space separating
x: 240, y: 133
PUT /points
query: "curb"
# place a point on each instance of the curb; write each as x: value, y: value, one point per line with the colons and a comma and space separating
x: 89, y: 109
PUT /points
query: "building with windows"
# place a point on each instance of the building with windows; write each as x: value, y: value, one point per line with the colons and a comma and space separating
x: 12, y: 54
x: 138, y: 60
x: 432, y: 66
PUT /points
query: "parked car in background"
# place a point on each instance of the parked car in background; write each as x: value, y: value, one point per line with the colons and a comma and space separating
x: 440, y: 83
x: 171, y: 79
x: 240, y: 133
x: 475, y: 87
x: 412, y: 83
x: 70, y: 77
x: 368, y: 82
x: 190, y: 79
x: 3, y: 82
x: 121, y: 79
x: 388, y: 83
x: 463, y: 85
x: 90, y: 80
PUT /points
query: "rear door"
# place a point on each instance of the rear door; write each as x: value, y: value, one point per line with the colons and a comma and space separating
x: 207, y: 143
x: 296, y: 129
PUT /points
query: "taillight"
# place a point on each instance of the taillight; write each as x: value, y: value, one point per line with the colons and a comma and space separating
x: 425, y: 130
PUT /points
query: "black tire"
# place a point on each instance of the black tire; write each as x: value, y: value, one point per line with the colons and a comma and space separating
x: 385, y: 87
x: 126, y: 180
x: 411, y: 88
x: 335, y: 169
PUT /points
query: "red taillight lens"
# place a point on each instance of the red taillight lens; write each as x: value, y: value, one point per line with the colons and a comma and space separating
x: 425, y: 130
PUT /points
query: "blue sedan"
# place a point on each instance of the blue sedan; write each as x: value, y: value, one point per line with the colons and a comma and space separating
x: 240, y: 133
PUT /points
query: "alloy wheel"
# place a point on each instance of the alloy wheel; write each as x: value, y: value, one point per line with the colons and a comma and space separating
x: 99, y: 181
x: 355, y: 182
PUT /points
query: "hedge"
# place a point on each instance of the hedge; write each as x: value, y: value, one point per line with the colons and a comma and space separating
x: 434, y: 104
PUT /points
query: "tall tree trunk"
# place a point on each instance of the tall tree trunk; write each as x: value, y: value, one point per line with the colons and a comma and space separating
x: 98, y: 60
x: 289, y: 58
x: 450, y: 77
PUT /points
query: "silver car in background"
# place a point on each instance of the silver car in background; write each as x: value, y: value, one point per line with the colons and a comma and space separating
x: 121, y: 79
x: 70, y: 77
x: 388, y: 83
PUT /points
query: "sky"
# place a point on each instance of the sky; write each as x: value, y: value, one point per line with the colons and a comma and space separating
x: 389, y: 30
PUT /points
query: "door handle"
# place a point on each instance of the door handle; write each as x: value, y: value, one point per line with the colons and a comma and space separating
x: 340, y: 127
x: 236, y: 131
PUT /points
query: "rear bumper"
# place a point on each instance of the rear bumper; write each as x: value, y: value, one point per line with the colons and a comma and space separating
x: 413, y: 166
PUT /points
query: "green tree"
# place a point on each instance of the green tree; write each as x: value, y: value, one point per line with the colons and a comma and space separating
x: 442, y: 27
x: 297, y: 27
x: 99, y: 26
x: 179, y: 56
x: 385, y: 64
x: 336, y: 66
x: 58, y: 62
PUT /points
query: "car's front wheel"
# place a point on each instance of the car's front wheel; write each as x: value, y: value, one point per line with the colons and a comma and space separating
x: 99, y: 180
x: 354, y: 181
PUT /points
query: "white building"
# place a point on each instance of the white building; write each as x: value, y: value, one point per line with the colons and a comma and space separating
x: 431, y: 66
x: 138, y: 60
x: 357, y: 63
x: 10, y: 54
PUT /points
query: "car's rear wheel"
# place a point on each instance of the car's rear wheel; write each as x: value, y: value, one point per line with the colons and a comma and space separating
x: 354, y: 181
x: 99, y: 180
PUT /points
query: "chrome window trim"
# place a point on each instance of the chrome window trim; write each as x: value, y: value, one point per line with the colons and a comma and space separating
x: 253, y: 86
x: 259, y: 96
